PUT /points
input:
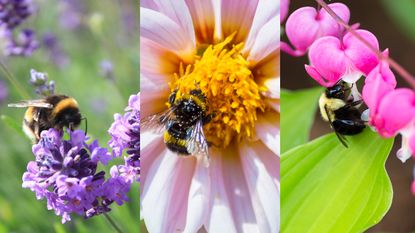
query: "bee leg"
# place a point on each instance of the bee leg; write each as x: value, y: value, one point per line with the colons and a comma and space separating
x: 206, y: 119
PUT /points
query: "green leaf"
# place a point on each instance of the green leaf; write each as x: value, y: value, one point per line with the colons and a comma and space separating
x: 297, y: 114
x: 402, y: 13
x: 326, y: 187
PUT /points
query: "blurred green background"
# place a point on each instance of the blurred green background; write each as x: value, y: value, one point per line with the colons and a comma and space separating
x: 92, y: 32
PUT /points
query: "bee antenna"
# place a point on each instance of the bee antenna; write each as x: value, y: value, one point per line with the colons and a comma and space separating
x: 86, y: 124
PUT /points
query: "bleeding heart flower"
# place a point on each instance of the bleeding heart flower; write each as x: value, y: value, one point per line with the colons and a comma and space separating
x: 378, y: 83
x: 395, y: 111
x: 285, y: 5
x: 306, y: 25
x: 348, y: 59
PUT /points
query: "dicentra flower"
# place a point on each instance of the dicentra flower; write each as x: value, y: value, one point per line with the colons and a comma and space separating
x: 125, y: 136
x: 307, y: 24
x: 64, y: 173
x: 230, y: 51
x: 332, y: 59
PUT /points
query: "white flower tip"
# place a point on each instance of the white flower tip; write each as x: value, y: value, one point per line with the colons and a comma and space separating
x: 403, y: 155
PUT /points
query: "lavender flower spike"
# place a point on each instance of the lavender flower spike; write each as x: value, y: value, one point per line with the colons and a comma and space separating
x: 40, y: 81
x: 64, y: 173
x: 125, y: 136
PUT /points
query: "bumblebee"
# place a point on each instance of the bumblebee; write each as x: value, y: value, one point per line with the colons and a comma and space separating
x: 54, y: 111
x: 339, y: 108
x: 182, y: 124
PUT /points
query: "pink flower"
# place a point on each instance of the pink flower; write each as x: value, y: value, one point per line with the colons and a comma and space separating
x: 378, y: 83
x: 306, y: 24
x: 285, y: 5
x: 348, y: 59
x: 230, y: 49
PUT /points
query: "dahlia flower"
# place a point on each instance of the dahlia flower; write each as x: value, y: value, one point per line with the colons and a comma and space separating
x: 230, y: 51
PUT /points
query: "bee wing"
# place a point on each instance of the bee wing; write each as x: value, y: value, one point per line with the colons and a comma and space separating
x: 197, y: 144
x: 31, y: 103
x: 157, y: 122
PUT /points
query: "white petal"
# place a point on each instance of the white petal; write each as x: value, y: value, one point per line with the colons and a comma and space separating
x: 265, y: 11
x: 198, y: 203
x: 267, y: 41
x: 178, y: 11
x: 220, y: 217
x: 268, y: 130
x: 164, y: 197
x: 264, y: 191
x: 273, y: 87
x: 154, y: 94
x: 203, y: 17
x: 237, y: 16
x: 155, y: 59
x: 167, y: 33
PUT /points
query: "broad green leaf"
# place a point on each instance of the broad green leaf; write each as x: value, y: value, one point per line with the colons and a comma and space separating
x: 326, y: 187
x: 297, y: 113
x: 402, y: 13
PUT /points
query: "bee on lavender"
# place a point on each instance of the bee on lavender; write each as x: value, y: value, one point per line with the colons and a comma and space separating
x: 182, y: 124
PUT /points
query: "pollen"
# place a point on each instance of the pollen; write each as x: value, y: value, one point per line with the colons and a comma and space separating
x: 223, y: 74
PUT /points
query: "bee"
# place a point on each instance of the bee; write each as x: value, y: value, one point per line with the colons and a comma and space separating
x: 182, y: 124
x: 54, y: 111
x: 339, y: 108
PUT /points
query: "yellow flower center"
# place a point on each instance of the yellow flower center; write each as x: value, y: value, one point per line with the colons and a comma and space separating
x: 224, y: 77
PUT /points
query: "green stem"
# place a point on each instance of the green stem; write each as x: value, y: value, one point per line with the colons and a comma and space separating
x: 109, y: 219
x: 14, y: 82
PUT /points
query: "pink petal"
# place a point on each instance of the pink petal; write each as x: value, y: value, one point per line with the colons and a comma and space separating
x: 266, y: 12
x: 203, y: 18
x: 285, y: 5
x: 267, y: 128
x: 395, y: 111
x: 155, y: 59
x: 220, y: 217
x: 378, y: 83
x: 263, y: 190
x: 155, y: 93
x: 328, y: 59
x: 305, y: 25
x: 152, y: 146
x: 361, y: 56
x: 266, y: 42
x: 198, y: 202
x: 179, y: 12
x: 164, y: 201
x: 159, y: 28
x: 237, y: 16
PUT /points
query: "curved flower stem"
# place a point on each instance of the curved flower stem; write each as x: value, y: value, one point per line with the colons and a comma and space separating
x: 117, y: 229
x: 14, y: 82
x: 410, y: 79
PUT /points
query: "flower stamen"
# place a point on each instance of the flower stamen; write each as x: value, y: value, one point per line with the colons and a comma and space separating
x: 233, y: 96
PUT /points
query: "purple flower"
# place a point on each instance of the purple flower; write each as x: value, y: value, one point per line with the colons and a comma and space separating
x: 4, y: 92
x: 40, y: 81
x: 125, y: 136
x: 13, y: 12
x: 70, y: 12
x: 24, y: 45
x: 106, y: 69
x: 56, y: 55
x: 64, y: 173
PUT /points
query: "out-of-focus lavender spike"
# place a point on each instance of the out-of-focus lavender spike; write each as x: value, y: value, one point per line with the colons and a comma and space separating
x: 56, y: 54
